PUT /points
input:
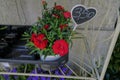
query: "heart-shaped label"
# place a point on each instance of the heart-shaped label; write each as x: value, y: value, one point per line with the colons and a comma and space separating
x: 81, y: 14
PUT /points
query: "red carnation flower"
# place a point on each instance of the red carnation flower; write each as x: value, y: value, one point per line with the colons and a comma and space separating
x: 41, y: 44
x: 56, y: 16
x: 59, y: 7
x: 46, y: 26
x: 62, y: 26
x: 33, y: 37
x: 60, y: 47
x: 67, y: 14
x: 39, y: 41
x: 41, y: 37
x: 44, y: 2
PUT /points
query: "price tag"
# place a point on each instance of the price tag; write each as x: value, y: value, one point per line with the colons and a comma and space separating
x: 81, y: 14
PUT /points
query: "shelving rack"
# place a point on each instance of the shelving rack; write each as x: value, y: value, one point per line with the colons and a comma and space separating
x: 77, y: 67
x: 81, y: 65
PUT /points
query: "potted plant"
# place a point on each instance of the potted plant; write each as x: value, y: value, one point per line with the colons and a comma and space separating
x: 50, y: 36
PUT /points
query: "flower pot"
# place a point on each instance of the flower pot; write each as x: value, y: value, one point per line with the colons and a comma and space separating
x: 50, y: 58
x: 47, y: 67
x: 53, y: 62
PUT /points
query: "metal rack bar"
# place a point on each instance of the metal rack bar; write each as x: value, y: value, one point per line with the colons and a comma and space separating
x: 102, y: 29
x: 61, y: 71
x: 81, y: 67
x: 91, y: 56
x: 71, y: 70
x: 49, y: 72
x: 25, y: 68
x: 47, y: 75
x: 114, y: 39
x: 88, y: 66
x: 35, y: 69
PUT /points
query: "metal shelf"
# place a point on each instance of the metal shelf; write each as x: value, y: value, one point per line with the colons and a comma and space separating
x: 74, y: 74
x: 76, y: 66
x: 80, y: 64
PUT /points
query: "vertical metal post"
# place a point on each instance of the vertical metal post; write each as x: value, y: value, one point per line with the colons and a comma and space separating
x: 114, y: 39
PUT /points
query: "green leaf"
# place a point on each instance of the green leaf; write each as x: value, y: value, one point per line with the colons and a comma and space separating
x: 30, y: 45
x: 117, y: 62
x: 44, y: 31
x: 22, y: 78
x: 34, y: 50
x: 24, y: 38
x: 2, y: 28
x: 40, y: 51
x: 2, y: 78
x: 117, y: 55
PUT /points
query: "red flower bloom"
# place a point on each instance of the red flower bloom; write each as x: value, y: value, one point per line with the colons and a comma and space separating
x: 60, y: 47
x: 40, y: 37
x: 46, y: 26
x: 44, y: 2
x: 39, y: 41
x: 55, y: 15
x: 62, y: 26
x: 33, y: 37
x: 67, y: 14
x: 41, y: 44
x: 59, y: 7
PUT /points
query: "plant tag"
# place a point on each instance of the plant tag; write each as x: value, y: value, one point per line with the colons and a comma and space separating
x: 81, y: 14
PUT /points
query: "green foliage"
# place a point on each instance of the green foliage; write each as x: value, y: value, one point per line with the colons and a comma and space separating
x: 3, y: 28
x: 115, y: 59
x: 2, y: 78
x: 113, y: 71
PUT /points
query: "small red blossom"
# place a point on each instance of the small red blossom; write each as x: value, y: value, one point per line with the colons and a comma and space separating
x: 41, y: 37
x: 46, y: 26
x: 41, y: 44
x: 60, y: 47
x: 44, y: 2
x: 56, y: 16
x: 67, y: 14
x: 33, y: 37
x: 59, y: 7
x: 39, y: 41
x: 62, y: 26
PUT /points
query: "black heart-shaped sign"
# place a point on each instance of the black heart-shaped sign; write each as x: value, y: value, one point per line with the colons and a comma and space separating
x: 80, y: 14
